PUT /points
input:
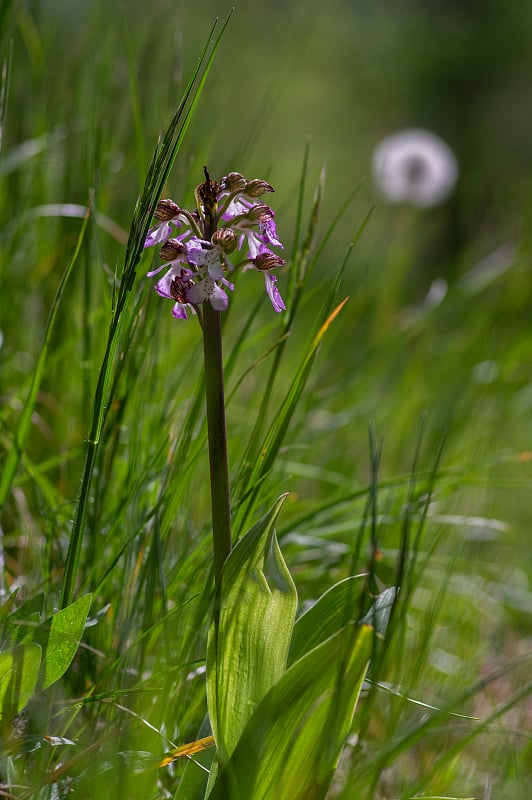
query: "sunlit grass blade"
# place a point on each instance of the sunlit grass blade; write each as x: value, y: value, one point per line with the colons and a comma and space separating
x: 297, y: 273
x: 5, y: 74
x: 434, y: 724
x: 16, y: 450
x: 186, y: 750
x: 275, y: 436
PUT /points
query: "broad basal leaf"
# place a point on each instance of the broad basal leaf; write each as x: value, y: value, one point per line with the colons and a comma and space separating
x: 291, y: 745
x: 247, y: 650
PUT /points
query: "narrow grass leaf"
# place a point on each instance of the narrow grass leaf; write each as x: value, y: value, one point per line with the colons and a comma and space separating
x: 23, y: 428
x: 275, y: 435
x: 248, y: 648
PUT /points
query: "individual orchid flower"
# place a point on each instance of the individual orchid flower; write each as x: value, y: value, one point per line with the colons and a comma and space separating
x: 175, y: 285
x: 257, y: 227
x: 168, y: 213
x: 238, y: 196
x: 268, y: 229
x: 213, y: 254
x: 264, y: 262
x: 174, y: 253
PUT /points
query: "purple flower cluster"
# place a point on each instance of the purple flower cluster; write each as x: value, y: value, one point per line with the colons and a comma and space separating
x: 196, y: 246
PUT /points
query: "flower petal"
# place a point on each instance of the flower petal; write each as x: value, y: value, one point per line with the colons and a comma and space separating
x: 273, y: 292
x: 159, y: 233
x: 179, y: 311
x: 163, y: 286
x: 218, y: 299
x: 207, y: 289
x: 212, y: 259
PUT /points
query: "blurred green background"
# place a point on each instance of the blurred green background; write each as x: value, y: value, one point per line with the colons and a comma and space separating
x: 93, y: 84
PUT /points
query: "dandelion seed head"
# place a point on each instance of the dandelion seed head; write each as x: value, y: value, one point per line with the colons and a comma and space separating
x: 416, y: 167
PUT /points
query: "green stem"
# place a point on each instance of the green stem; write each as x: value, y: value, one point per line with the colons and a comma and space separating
x: 214, y: 391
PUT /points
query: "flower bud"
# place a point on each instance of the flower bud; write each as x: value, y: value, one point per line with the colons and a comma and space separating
x: 233, y: 182
x: 267, y: 261
x: 256, y: 187
x: 172, y: 249
x: 207, y: 197
x: 166, y: 210
x: 225, y: 238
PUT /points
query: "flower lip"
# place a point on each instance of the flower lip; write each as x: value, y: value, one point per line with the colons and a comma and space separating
x: 273, y: 293
x: 207, y: 289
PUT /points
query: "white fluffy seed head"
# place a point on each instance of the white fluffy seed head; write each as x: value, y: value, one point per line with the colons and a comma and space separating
x: 415, y: 167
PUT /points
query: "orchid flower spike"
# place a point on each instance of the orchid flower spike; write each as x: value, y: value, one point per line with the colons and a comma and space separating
x: 229, y: 219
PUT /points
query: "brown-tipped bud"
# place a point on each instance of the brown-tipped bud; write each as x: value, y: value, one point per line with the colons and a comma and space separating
x: 233, y: 182
x: 172, y: 249
x: 207, y: 197
x: 225, y: 238
x: 260, y: 211
x: 267, y: 261
x: 166, y: 210
x: 256, y: 187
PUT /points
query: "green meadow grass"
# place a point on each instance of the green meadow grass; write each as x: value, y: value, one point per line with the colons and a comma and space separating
x: 403, y: 434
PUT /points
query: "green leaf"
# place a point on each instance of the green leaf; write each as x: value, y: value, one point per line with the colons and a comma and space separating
x: 247, y: 650
x: 59, y: 638
x: 333, y: 610
x: 19, y: 670
x: 293, y: 741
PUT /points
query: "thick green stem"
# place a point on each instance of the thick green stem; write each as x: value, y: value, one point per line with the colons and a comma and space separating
x: 214, y: 390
